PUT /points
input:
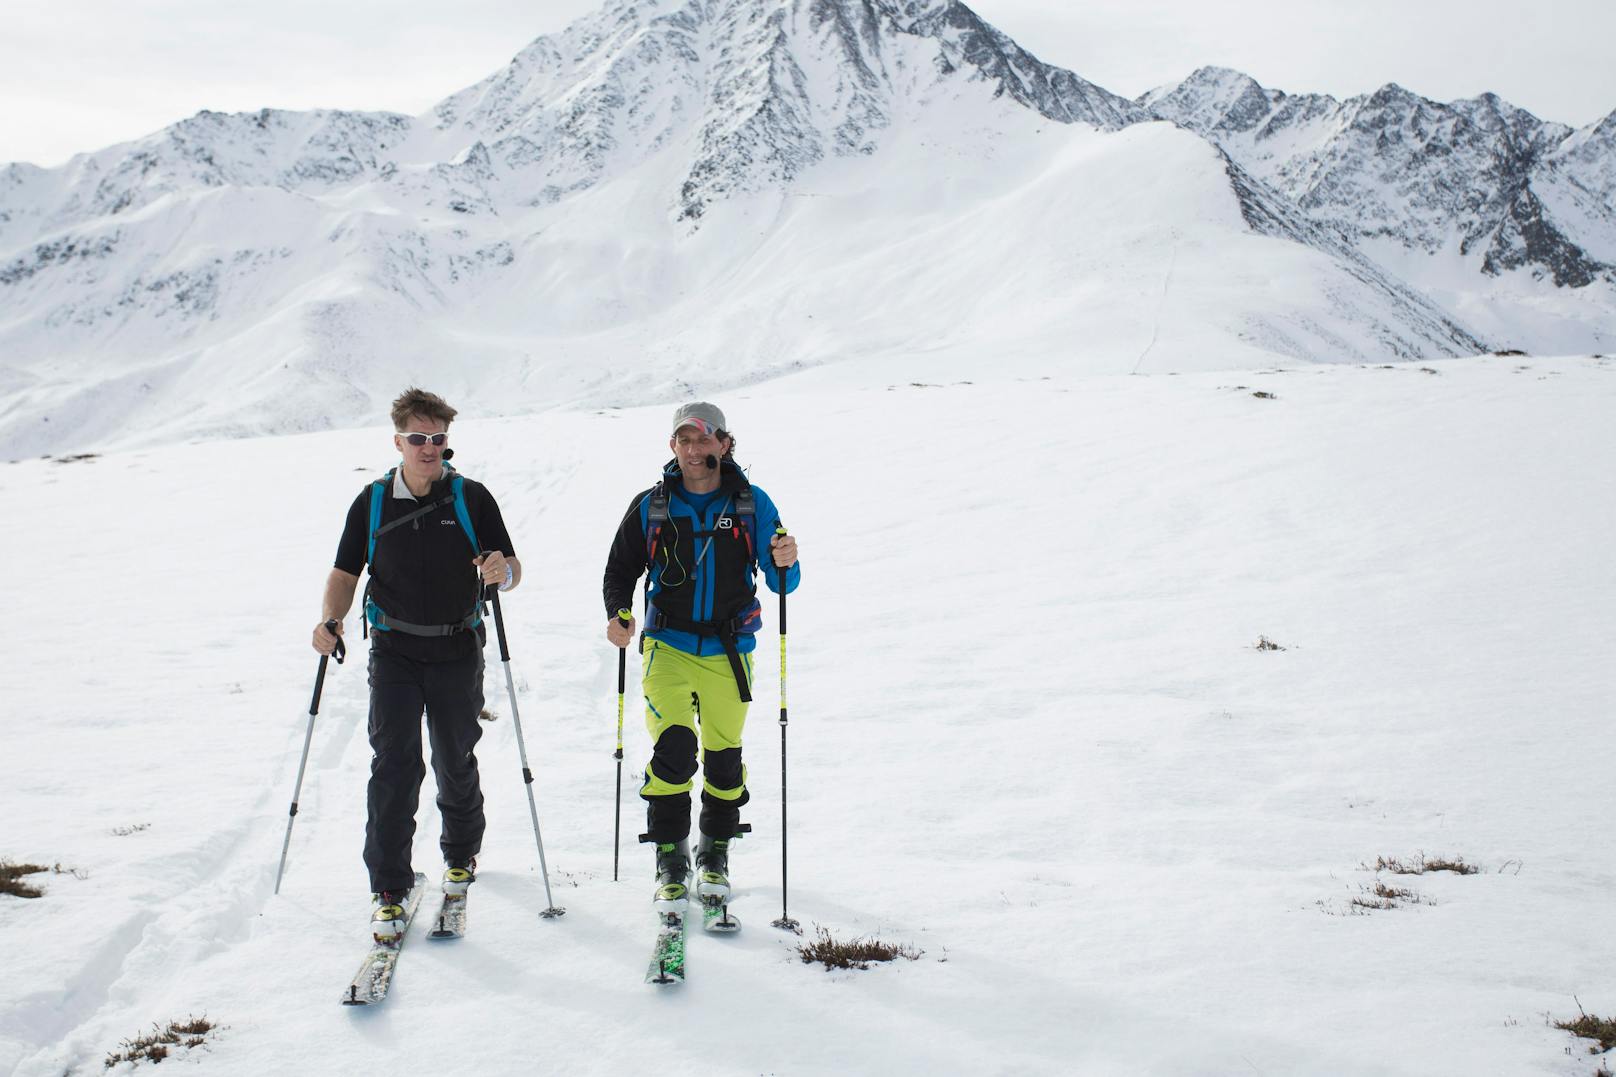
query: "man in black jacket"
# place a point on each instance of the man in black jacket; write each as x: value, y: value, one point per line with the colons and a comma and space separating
x: 423, y: 529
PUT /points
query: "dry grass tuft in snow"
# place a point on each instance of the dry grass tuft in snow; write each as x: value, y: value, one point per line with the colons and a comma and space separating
x: 1600, y: 1029
x: 192, y: 1032
x: 856, y: 953
x: 11, y: 877
x: 1422, y: 865
x: 1381, y: 896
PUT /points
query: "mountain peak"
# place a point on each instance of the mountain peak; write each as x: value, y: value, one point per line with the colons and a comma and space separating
x: 764, y: 89
x: 1213, y: 99
x: 1213, y: 74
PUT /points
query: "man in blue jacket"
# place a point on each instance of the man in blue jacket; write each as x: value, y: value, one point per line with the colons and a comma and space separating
x: 702, y: 533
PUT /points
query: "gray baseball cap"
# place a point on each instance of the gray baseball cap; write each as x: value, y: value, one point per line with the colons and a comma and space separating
x: 703, y: 416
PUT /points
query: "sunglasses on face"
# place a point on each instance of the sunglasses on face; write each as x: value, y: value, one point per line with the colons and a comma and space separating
x: 421, y: 439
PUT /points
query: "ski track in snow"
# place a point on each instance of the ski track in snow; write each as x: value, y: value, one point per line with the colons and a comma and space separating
x: 1030, y: 736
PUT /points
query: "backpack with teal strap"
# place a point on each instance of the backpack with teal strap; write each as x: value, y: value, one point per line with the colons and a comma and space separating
x: 379, y: 491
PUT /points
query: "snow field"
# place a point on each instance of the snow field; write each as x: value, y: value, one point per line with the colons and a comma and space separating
x: 1031, y: 736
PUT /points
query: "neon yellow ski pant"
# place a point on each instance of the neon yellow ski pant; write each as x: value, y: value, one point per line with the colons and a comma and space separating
x: 690, y: 699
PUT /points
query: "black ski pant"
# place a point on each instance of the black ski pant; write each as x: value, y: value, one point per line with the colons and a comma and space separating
x: 451, y: 694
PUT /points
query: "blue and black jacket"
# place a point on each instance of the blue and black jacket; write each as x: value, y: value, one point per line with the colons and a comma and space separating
x: 701, y: 563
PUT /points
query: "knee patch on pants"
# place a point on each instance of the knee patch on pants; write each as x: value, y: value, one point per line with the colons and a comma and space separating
x: 673, y: 763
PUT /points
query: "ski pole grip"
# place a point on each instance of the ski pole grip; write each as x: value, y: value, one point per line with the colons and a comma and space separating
x: 499, y: 629
x: 624, y: 616
x: 780, y: 531
x: 492, y: 594
x: 485, y: 590
x: 319, y: 682
x: 341, y: 650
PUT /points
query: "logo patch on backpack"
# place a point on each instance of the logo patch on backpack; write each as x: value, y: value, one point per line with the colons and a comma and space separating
x: 726, y: 524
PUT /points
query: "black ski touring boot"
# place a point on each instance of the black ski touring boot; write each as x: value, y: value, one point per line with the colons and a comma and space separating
x: 389, y: 915
x: 712, y: 885
x: 712, y: 869
x: 458, y: 876
x: 673, y: 875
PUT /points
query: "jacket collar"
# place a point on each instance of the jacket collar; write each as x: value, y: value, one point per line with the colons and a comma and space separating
x: 401, y: 489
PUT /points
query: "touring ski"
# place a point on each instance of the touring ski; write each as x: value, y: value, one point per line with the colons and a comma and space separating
x: 375, y: 975
x: 716, y: 918
x: 668, y: 955
x: 712, y: 886
x: 451, y: 919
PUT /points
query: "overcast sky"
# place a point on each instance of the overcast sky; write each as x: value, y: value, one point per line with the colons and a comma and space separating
x: 81, y: 74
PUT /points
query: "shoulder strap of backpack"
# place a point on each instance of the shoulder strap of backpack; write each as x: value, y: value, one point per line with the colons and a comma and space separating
x: 656, y: 514
x: 378, y: 497
x: 457, y: 495
x: 746, y: 508
x: 458, y: 486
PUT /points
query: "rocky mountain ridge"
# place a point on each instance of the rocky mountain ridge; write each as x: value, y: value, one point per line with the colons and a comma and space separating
x: 639, y: 165
x: 1493, y: 182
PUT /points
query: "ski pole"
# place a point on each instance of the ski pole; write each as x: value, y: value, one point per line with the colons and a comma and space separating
x: 340, y: 651
x: 521, y: 747
x: 785, y: 923
x: 624, y: 615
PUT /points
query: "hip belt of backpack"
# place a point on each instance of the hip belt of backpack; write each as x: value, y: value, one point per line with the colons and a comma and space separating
x: 724, y: 631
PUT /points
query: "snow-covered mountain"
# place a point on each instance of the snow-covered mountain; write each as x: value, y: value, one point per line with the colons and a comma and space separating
x: 758, y: 92
x: 1435, y: 191
x: 678, y: 194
